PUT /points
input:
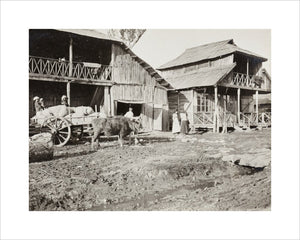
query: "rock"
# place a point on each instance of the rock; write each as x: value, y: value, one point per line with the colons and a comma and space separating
x: 41, y: 147
x: 231, y: 158
x: 259, y: 160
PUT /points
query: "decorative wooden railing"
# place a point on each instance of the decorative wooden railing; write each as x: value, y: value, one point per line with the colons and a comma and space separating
x: 248, y: 119
x: 58, y: 68
x: 254, y: 119
x: 244, y: 80
x: 203, y: 118
x: 265, y: 118
x: 231, y: 119
x: 206, y: 119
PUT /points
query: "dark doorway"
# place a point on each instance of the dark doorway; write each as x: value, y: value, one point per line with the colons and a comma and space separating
x: 123, y: 108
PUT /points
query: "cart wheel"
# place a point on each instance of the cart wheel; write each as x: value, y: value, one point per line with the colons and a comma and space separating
x: 60, y: 128
x: 77, y: 132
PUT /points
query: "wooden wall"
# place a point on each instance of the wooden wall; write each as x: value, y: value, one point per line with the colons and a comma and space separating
x: 134, y: 83
x: 127, y: 70
x: 226, y: 60
x: 183, y: 102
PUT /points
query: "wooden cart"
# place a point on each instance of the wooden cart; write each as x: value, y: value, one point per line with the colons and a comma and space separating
x: 62, y: 128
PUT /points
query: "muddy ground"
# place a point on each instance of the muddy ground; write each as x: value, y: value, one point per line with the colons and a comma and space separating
x: 162, y: 173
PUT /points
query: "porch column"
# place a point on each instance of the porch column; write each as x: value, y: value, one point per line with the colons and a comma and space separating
x: 69, y: 92
x: 70, y: 70
x: 256, y: 107
x: 107, y: 100
x: 238, y: 105
x: 215, y: 128
x: 112, y: 62
x: 112, y: 105
x: 247, y: 71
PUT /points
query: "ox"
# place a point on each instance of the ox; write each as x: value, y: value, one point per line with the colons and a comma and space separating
x: 115, y: 126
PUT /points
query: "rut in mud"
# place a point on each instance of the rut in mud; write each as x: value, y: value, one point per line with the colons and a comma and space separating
x: 158, y: 175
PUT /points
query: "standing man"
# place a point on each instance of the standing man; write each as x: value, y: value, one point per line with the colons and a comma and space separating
x: 129, y: 114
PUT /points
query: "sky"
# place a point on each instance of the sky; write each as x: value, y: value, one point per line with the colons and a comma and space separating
x: 158, y: 46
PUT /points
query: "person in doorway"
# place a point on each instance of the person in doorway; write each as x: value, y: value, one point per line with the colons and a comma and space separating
x: 37, y: 104
x: 175, y: 125
x: 129, y: 114
x: 184, y: 123
x: 64, y: 100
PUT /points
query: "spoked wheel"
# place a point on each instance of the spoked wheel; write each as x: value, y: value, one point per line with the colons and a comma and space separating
x: 60, y: 128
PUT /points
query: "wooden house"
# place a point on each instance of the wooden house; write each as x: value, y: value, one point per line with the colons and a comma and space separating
x: 94, y: 70
x: 217, y: 84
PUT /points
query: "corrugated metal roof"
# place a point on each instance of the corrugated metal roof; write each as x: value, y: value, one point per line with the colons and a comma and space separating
x: 202, y: 77
x: 208, y: 51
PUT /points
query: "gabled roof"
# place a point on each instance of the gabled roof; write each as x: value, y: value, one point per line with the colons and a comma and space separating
x: 99, y: 35
x: 208, y: 51
x: 202, y: 77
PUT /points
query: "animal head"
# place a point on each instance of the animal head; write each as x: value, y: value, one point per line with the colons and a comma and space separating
x: 136, y: 124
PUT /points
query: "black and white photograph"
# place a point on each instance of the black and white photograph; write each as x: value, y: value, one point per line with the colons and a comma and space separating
x: 149, y: 120
x: 108, y: 131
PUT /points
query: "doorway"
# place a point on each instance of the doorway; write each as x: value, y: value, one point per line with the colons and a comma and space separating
x: 123, y: 108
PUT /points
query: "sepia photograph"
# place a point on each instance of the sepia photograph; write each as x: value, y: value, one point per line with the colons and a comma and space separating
x: 110, y: 132
x: 149, y: 120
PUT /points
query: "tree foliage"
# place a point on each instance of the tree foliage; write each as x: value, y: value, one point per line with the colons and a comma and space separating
x: 129, y: 36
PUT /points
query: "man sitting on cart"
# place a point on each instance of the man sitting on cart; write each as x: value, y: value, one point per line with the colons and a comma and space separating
x: 37, y: 104
x: 64, y: 100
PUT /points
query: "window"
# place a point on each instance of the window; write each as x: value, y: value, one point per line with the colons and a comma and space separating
x: 204, y: 103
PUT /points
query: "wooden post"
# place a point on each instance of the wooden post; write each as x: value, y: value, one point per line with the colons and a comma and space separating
x: 216, y: 110
x: 178, y: 102
x: 247, y: 72
x: 70, y: 57
x: 193, y: 106
x: 70, y: 70
x: 69, y: 92
x: 239, y: 107
x: 112, y: 62
x: 256, y: 103
x: 107, y: 100
x: 112, y: 104
x: 225, y: 116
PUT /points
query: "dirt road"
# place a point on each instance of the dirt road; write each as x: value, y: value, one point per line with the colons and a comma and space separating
x: 162, y: 173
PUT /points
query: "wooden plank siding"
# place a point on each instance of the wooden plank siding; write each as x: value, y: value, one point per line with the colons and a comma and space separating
x: 134, y: 83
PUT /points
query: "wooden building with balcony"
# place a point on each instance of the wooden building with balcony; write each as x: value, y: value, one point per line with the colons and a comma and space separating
x: 95, y: 70
x: 218, y: 84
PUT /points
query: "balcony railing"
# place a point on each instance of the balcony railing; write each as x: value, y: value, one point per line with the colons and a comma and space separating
x: 244, y: 80
x: 61, y: 68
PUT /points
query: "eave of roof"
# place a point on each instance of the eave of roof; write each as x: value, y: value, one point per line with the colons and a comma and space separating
x: 203, y: 77
x: 89, y: 33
